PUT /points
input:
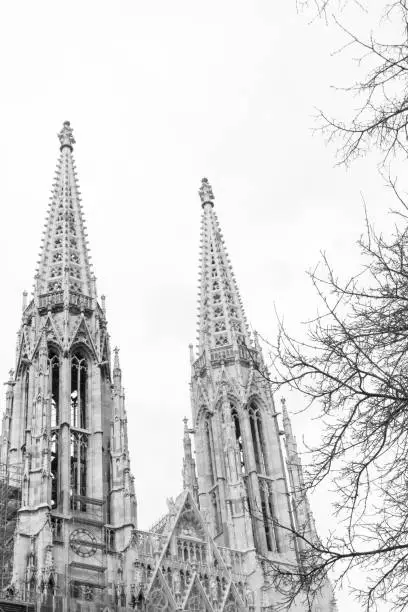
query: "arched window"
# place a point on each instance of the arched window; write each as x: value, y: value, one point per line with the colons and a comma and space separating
x: 54, y: 469
x: 78, y: 452
x: 78, y: 390
x: 258, y: 441
x: 238, y: 437
x: 54, y: 369
x: 26, y: 397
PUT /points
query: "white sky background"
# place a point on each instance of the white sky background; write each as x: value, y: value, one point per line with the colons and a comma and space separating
x: 160, y: 94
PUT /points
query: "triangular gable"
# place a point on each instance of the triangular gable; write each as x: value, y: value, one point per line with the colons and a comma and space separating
x: 196, y: 599
x: 158, y: 595
x: 83, y: 335
x: 188, y: 517
x: 202, y: 397
x: 232, y: 600
x: 51, y: 333
x: 24, y: 350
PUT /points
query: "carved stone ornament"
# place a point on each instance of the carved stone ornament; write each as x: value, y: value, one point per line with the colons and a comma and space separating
x: 83, y: 542
x: 205, y: 192
x: 65, y: 136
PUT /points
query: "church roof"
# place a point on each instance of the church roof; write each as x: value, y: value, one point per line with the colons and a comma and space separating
x: 221, y: 321
x: 64, y: 262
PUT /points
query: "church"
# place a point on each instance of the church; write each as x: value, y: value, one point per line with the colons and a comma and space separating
x: 69, y: 537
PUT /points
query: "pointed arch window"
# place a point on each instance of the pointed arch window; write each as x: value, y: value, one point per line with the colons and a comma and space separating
x: 79, y: 371
x: 26, y: 396
x: 78, y: 452
x: 54, y: 374
x: 238, y: 437
x: 54, y: 469
x: 258, y: 440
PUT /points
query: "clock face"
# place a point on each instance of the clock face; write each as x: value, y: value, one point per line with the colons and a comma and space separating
x: 83, y: 542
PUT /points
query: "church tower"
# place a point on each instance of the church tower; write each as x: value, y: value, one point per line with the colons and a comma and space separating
x: 250, y: 486
x: 241, y: 471
x: 65, y: 420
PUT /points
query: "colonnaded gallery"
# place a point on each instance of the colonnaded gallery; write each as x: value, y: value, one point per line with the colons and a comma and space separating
x: 69, y: 538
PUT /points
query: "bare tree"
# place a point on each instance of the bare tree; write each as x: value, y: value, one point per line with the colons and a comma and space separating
x: 353, y: 367
x: 380, y: 118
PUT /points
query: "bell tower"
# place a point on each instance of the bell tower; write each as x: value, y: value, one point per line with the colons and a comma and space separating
x: 243, y: 490
x: 65, y: 420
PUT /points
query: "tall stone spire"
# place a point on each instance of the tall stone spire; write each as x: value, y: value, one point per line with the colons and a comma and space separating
x: 64, y: 260
x: 221, y: 320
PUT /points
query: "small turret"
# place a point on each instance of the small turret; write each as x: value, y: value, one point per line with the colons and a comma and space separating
x: 117, y: 372
x: 303, y: 515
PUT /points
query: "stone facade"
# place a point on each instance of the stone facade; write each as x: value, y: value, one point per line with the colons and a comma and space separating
x: 76, y: 541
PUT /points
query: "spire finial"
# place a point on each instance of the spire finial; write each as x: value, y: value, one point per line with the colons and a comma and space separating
x: 65, y: 136
x: 206, y: 193
x: 116, y: 364
x: 185, y: 421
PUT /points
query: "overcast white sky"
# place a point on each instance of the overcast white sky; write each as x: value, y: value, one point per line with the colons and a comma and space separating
x: 160, y: 94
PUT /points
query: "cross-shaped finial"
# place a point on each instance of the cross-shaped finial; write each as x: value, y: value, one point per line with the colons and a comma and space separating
x: 205, y: 192
x: 66, y: 137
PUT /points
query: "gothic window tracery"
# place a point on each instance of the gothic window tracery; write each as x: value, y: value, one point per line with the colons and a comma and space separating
x: 79, y: 372
x: 195, y: 604
x: 75, y: 272
x: 258, y: 440
x: 78, y: 456
x: 221, y: 340
x: 26, y: 397
x: 54, y: 372
x: 76, y: 287
x: 54, y: 469
x: 238, y: 437
x: 55, y: 286
x: 56, y: 271
x: 236, y: 325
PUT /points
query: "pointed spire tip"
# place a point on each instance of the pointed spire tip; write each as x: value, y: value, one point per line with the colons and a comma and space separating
x: 206, y: 193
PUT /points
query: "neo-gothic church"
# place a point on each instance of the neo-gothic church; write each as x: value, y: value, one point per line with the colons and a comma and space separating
x: 68, y: 513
